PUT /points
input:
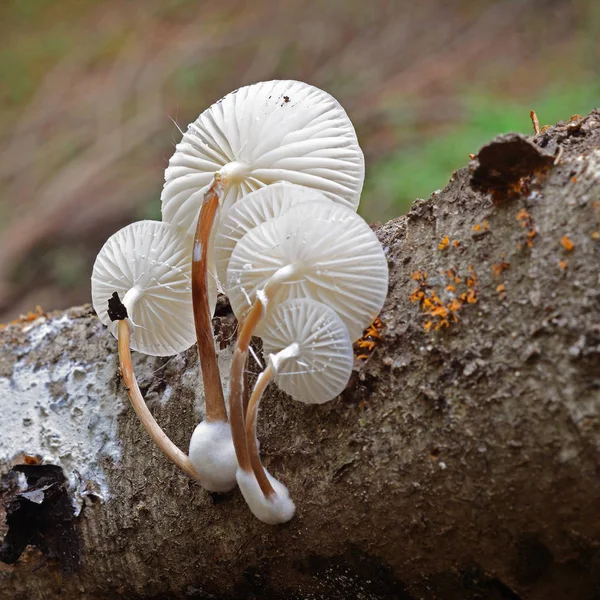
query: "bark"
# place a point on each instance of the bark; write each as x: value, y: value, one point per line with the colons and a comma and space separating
x: 461, y: 462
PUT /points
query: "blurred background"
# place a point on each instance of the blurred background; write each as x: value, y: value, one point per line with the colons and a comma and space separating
x: 93, y: 92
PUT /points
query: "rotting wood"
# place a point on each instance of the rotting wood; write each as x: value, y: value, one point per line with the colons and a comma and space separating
x: 459, y: 463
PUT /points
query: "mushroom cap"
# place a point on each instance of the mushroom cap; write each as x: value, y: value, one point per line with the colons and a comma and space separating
x: 152, y: 261
x: 277, y: 509
x: 342, y: 263
x: 321, y: 366
x: 263, y: 205
x: 261, y: 134
x: 213, y: 455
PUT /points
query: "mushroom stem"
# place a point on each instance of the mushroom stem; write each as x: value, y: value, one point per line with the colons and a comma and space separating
x: 213, y: 390
x: 259, y: 471
x: 251, y: 321
x: 259, y: 388
x: 160, y: 438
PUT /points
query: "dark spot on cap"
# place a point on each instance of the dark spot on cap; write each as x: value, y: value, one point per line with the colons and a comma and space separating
x: 116, y: 309
x: 286, y: 99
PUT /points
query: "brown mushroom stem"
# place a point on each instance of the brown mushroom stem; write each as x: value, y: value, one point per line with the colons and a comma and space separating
x: 240, y: 355
x: 160, y: 438
x: 213, y: 390
x: 259, y: 471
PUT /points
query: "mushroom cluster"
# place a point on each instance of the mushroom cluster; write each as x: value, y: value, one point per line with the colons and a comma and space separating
x: 259, y: 202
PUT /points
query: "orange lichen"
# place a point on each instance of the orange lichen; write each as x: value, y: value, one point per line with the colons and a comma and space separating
x: 482, y: 227
x: 498, y: 268
x: 562, y: 263
x: 573, y: 179
x: 524, y: 218
x: 500, y: 288
x: 567, y: 244
x: 472, y: 277
x: 444, y: 243
x: 440, y: 313
x: 454, y: 307
x: 596, y: 235
x: 451, y: 273
x: 27, y: 318
x: 456, y: 243
x: 369, y: 340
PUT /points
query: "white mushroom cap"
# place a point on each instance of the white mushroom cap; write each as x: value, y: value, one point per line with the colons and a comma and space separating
x: 213, y: 455
x: 263, y: 205
x: 261, y: 134
x: 341, y: 263
x: 321, y: 364
x: 148, y: 264
x: 276, y: 509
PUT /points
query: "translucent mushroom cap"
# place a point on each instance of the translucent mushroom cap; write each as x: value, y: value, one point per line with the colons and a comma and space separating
x: 148, y: 264
x: 262, y: 134
x: 319, y: 365
x: 340, y: 260
x: 263, y: 205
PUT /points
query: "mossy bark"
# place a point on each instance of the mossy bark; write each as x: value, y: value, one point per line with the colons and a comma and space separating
x: 461, y: 462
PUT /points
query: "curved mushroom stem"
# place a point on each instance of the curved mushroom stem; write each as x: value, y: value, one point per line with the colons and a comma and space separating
x: 259, y: 388
x: 259, y: 471
x: 251, y: 321
x: 213, y: 390
x: 160, y: 438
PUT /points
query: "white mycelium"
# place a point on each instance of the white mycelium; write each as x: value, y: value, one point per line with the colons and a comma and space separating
x: 213, y: 456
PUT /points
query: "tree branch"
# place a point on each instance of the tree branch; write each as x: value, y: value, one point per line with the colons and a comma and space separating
x: 461, y: 462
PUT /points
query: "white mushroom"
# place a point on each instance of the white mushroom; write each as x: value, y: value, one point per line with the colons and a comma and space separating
x: 310, y: 356
x: 260, y: 134
x: 319, y: 369
x: 256, y: 208
x: 325, y: 252
x: 149, y: 264
x: 329, y: 253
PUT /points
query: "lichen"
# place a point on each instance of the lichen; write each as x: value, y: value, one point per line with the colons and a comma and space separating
x: 61, y: 412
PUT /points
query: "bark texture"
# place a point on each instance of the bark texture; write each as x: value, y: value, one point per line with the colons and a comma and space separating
x: 461, y: 462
